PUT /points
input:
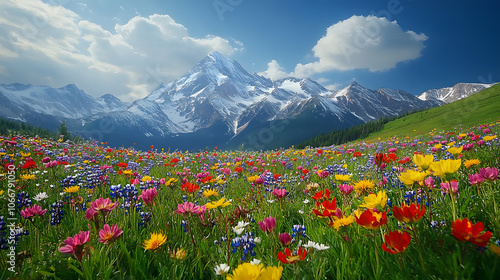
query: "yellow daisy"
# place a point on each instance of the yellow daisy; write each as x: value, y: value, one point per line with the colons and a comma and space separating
x: 72, y: 189
x: 155, y: 241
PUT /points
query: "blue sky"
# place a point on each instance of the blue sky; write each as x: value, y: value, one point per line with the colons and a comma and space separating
x: 128, y: 47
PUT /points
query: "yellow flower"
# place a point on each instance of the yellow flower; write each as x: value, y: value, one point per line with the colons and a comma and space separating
x: 374, y: 200
x: 25, y: 154
x: 210, y: 192
x: 363, y: 185
x: 248, y: 271
x: 411, y: 176
x: 470, y: 162
x: 154, y: 242
x: 1, y: 192
x: 455, y: 151
x: 463, y: 135
x: 342, y: 177
x: 127, y: 172
x: 146, y: 178
x: 445, y: 168
x: 220, y: 202
x: 423, y: 161
x: 344, y: 221
x: 171, y: 181
x: 438, y: 146
x: 271, y: 273
x: 28, y: 177
x: 180, y: 254
x: 71, y: 189
x: 489, y: 138
x: 252, y: 179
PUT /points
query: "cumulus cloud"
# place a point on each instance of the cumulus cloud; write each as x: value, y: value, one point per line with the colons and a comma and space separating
x: 359, y: 42
x: 53, y: 46
x: 274, y: 71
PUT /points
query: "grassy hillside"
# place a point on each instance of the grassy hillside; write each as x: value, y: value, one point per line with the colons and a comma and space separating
x: 480, y: 108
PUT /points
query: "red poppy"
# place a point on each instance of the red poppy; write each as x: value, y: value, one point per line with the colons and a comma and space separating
x: 408, y: 213
x: 396, y: 241
x: 174, y: 160
x: 326, y: 208
x: 29, y: 164
x: 371, y: 220
x: 464, y: 230
x: 122, y: 165
x: 356, y: 154
x: 320, y: 195
x: 189, y: 187
x: 238, y: 169
x: 392, y: 157
x: 287, y: 257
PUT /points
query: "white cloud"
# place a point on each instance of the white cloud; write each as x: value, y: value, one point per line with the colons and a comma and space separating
x: 53, y: 46
x: 274, y: 71
x: 359, y: 42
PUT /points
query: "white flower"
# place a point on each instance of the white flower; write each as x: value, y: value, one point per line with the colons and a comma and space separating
x: 240, y: 227
x: 41, y: 196
x: 301, y: 212
x: 257, y: 240
x: 316, y: 246
x: 255, y: 262
x: 270, y: 200
x: 309, y: 244
x: 305, y: 201
x: 221, y: 268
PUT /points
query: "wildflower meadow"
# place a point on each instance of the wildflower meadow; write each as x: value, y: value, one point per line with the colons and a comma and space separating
x: 422, y: 207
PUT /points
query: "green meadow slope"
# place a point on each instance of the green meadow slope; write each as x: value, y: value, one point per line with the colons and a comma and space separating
x: 480, y: 108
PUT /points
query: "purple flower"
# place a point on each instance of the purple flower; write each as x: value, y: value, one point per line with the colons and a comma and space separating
x: 285, y: 239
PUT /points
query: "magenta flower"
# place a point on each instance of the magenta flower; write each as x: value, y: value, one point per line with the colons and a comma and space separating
x: 189, y: 207
x: 475, y: 179
x: 33, y: 211
x: 148, y: 196
x: 346, y: 189
x: 453, y: 185
x: 285, y: 239
x: 74, y: 245
x: 429, y: 182
x: 279, y: 193
x: 489, y: 173
x: 91, y: 214
x: 103, y: 205
x: 109, y: 234
x: 268, y: 224
x: 259, y: 181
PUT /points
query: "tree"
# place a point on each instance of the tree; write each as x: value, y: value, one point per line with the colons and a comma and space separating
x: 63, y: 131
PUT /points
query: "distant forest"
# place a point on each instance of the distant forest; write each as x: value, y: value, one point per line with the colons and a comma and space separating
x: 337, y: 137
x: 12, y: 128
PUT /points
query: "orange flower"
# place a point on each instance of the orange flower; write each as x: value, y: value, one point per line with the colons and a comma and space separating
x: 408, y: 213
x: 396, y: 242
x: 371, y: 220
x: 189, y: 187
x: 464, y: 230
x: 320, y: 195
x: 289, y: 258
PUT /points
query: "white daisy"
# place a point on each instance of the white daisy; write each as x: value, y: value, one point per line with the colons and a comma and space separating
x: 41, y: 196
x: 240, y: 227
x: 221, y: 269
x: 255, y: 262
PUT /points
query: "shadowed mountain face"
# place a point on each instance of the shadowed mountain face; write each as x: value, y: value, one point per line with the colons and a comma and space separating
x: 217, y: 103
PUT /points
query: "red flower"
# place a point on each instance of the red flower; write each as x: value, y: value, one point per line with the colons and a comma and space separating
x: 287, y: 257
x: 408, y: 214
x: 326, y: 208
x: 396, y: 242
x: 238, y: 169
x: 371, y: 220
x: 319, y: 195
x: 464, y: 230
x: 356, y: 154
x: 189, y: 187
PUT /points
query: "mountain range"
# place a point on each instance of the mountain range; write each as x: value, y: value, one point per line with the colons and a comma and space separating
x: 217, y: 103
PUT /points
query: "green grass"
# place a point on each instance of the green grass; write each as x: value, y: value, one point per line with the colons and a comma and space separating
x: 480, y: 108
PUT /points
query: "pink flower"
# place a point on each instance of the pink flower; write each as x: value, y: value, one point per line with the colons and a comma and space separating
x: 33, y: 211
x: 109, y: 234
x: 323, y: 174
x: 148, y: 196
x: 259, y: 181
x: 91, y: 214
x: 74, y: 245
x: 346, y: 189
x: 279, y: 193
x: 162, y: 181
x: 392, y: 150
x: 268, y: 224
x: 445, y: 187
x: 103, y: 205
x: 189, y: 207
x: 475, y: 179
x: 489, y: 173
x: 429, y: 182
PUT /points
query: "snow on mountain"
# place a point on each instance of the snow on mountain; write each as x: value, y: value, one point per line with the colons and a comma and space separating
x: 451, y: 94
x: 219, y: 103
